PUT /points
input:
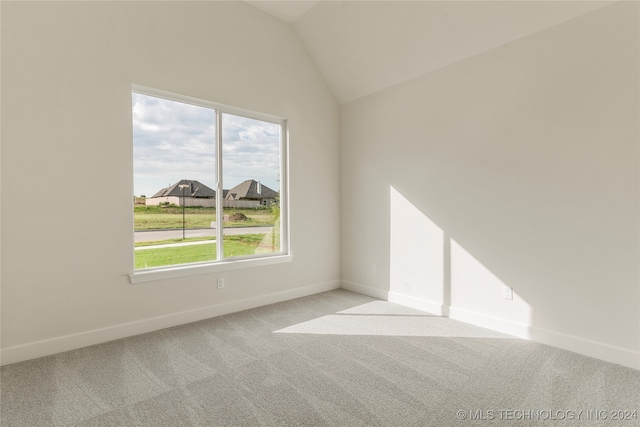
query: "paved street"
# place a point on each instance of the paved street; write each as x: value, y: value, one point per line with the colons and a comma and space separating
x: 148, y: 236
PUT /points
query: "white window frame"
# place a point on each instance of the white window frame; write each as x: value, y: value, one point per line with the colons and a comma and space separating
x: 225, y: 264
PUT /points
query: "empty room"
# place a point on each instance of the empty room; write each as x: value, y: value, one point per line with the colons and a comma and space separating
x: 319, y: 213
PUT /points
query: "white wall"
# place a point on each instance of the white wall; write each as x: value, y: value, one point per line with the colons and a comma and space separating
x: 523, y: 161
x: 67, y: 70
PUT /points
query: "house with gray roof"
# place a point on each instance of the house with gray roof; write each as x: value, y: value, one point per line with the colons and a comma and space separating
x: 185, y: 192
x: 252, y: 192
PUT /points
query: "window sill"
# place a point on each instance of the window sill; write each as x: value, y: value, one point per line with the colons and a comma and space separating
x: 163, y: 273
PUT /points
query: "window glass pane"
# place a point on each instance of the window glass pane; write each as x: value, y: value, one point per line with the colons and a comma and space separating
x: 174, y: 182
x: 251, y: 179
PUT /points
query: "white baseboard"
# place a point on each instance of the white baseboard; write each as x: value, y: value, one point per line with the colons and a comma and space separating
x: 406, y: 300
x: 418, y: 303
x: 497, y: 324
x: 47, y: 347
x: 598, y: 350
x: 595, y: 349
x: 585, y: 347
x: 365, y: 290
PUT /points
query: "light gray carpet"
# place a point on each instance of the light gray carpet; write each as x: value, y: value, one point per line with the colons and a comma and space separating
x: 332, y: 359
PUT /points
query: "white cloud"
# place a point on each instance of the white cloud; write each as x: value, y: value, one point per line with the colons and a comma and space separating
x: 174, y: 141
x: 250, y: 150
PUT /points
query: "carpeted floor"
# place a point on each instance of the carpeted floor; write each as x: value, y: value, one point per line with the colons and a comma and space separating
x: 332, y: 359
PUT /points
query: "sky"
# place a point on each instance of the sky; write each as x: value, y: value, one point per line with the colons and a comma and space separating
x: 174, y: 140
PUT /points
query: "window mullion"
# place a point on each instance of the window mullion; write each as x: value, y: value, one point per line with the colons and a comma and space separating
x: 284, y: 186
x: 219, y: 190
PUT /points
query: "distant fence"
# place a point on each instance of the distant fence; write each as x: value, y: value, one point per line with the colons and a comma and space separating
x: 240, y: 203
x: 195, y: 201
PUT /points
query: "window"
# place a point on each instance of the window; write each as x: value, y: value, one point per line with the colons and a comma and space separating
x: 209, y: 182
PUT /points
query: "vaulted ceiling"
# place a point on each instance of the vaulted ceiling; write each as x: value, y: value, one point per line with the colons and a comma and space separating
x: 288, y: 11
x: 362, y: 47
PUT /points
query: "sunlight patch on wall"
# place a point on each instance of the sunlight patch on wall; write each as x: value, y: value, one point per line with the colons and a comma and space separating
x: 417, y: 259
x: 476, y: 288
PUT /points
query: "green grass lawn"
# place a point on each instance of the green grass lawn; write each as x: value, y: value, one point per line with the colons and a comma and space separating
x: 170, y: 217
x: 172, y: 256
x: 157, y: 218
x: 245, y: 244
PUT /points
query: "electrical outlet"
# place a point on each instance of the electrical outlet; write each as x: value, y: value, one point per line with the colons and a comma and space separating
x: 220, y: 283
x: 507, y: 292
